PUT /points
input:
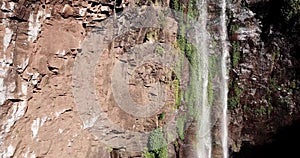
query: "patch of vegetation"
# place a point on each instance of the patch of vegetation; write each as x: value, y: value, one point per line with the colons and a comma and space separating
x: 151, y: 35
x: 233, y: 28
x: 180, y: 127
x: 147, y: 154
x: 234, y: 91
x: 210, y: 91
x: 261, y: 111
x: 192, y: 11
x: 269, y: 110
x: 293, y: 85
x: 276, y: 53
x: 273, y: 84
x: 189, y: 11
x: 235, y: 50
x: 161, y: 116
x: 177, y: 94
x: 290, y: 9
x: 234, y: 100
x: 157, y: 144
x: 235, y: 54
x: 110, y: 149
x: 213, y: 70
x: 213, y: 65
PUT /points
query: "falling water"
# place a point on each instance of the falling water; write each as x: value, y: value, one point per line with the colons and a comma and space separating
x: 204, y: 146
x: 224, y: 89
x: 205, y: 141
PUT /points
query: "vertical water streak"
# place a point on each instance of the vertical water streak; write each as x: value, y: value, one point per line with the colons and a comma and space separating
x: 224, y: 79
x: 204, y: 146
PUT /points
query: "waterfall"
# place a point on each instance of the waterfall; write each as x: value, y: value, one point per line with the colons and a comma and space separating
x: 204, y: 146
x: 224, y: 90
x: 205, y: 123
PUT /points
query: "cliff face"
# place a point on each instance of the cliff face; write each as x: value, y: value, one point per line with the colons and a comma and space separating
x: 41, y: 39
x: 264, y: 89
x: 39, y: 42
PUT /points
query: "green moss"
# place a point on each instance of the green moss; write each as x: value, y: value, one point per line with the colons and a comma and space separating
x: 177, y: 94
x: 213, y: 62
x: 180, y: 124
x: 234, y: 99
x: 235, y: 54
x: 210, y: 91
x: 190, y: 52
x: 214, y: 66
x: 192, y: 55
x: 235, y: 51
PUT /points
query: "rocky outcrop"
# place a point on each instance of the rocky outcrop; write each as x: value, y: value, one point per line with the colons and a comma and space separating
x: 264, y: 82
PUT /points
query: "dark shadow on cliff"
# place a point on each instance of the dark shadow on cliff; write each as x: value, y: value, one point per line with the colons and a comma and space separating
x: 278, y: 16
x: 285, y: 144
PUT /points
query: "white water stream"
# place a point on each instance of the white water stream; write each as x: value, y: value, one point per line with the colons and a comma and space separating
x: 204, y: 147
x: 224, y: 80
x: 205, y: 141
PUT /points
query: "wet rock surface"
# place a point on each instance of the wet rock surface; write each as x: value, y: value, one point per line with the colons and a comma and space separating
x: 264, y: 79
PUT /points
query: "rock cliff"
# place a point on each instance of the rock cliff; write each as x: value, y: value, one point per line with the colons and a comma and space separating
x: 41, y: 39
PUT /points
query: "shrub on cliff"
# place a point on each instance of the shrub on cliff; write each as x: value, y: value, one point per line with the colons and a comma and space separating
x: 157, y: 143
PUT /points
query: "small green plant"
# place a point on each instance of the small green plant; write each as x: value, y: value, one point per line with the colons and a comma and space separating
x: 261, y: 111
x: 273, y: 84
x: 148, y: 154
x: 234, y: 28
x: 235, y: 54
x: 158, y: 144
x: 152, y: 35
x: 234, y: 101
x: 110, y: 149
x: 161, y: 116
